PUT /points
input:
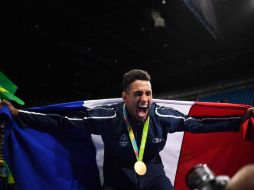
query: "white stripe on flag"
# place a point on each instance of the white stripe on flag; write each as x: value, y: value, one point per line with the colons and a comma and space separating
x: 171, y: 152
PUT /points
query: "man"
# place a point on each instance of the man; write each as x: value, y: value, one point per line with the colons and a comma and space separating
x: 243, y: 179
x: 128, y: 129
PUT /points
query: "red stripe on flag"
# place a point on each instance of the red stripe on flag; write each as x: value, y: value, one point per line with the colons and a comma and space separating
x: 217, y: 109
x: 224, y: 152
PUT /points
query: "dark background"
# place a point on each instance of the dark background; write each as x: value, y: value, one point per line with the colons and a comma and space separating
x: 66, y: 51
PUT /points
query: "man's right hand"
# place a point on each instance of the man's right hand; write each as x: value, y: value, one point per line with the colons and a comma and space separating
x: 12, y: 109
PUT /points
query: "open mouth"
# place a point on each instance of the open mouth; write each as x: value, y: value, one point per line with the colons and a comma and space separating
x: 142, y: 111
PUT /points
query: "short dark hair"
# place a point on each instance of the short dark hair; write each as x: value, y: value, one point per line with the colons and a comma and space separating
x: 133, y: 75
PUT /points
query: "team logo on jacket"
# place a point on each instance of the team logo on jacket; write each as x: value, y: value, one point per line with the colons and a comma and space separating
x: 123, y: 141
x: 158, y: 140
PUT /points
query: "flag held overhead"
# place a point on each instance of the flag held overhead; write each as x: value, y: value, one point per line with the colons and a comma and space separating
x: 7, y: 89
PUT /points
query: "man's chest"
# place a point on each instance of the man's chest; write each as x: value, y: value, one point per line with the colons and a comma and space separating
x: 121, y: 144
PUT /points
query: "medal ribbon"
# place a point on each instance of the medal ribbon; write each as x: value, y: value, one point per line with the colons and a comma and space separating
x: 138, y: 153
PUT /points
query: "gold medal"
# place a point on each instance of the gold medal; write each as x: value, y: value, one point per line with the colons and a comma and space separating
x: 140, y: 168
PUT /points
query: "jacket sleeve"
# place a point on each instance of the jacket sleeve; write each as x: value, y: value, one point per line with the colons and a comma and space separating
x: 30, y: 119
x: 91, y: 119
x: 175, y: 121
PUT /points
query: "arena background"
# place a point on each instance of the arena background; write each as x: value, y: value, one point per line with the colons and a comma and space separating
x: 66, y: 51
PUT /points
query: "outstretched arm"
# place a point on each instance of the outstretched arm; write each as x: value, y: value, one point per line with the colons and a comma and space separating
x: 177, y: 121
x: 93, y: 120
x: 40, y: 120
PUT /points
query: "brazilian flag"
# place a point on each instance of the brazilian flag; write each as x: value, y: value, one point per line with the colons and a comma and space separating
x: 7, y: 89
x: 6, y: 178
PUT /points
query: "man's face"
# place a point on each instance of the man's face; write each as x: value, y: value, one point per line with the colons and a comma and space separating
x: 138, y: 99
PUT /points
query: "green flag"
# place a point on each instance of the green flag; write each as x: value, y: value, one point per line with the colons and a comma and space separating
x: 7, y: 89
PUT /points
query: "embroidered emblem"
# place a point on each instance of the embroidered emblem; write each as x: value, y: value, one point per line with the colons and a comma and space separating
x: 157, y: 140
x: 123, y: 141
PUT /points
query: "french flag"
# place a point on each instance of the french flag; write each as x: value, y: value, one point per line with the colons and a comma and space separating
x: 70, y: 159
